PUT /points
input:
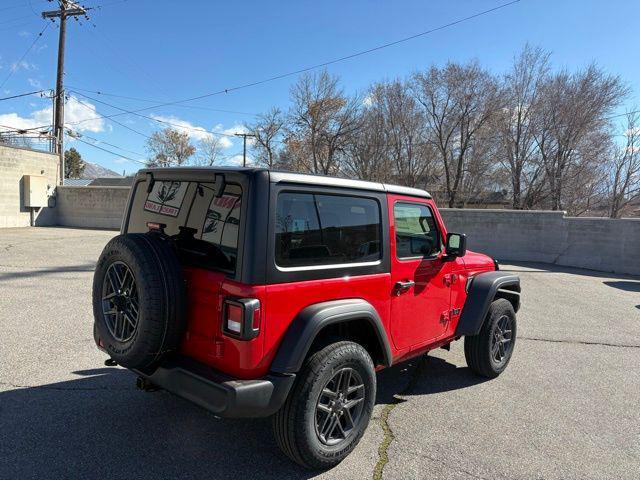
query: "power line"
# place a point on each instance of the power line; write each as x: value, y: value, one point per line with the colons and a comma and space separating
x: 153, y: 119
x: 324, y: 64
x: 24, y: 94
x: 78, y: 135
x: 199, y: 107
x: 89, y: 107
x: 112, y: 153
x: 13, y: 70
x: 41, y: 127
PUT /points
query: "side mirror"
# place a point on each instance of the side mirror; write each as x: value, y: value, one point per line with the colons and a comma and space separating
x: 456, y: 245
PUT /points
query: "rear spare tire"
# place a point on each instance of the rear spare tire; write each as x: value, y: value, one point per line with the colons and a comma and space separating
x: 139, y: 299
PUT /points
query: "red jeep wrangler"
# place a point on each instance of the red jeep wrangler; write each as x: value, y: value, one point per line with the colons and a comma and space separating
x: 253, y: 293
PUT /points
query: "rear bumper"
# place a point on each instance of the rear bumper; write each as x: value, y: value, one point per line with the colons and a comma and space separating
x: 219, y: 393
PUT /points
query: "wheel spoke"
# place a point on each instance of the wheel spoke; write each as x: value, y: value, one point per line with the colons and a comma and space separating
x: 113, y: 281
x: 339, y: 425
x: 324, y: 408
x: 346, y: 380
x: 352, y: 403
x: 350, y: 418
x: 334, y: 424
x: 327, y: 426
x: 329, y: 393
x: 355, y: 388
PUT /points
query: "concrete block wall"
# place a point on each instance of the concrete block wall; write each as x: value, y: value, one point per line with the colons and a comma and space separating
x: 15, y: 163
x: 91, y: 207
x: 550, y: 237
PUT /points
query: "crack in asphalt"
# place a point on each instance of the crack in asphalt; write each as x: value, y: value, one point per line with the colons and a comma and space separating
x: 578, y: 342
x: 50, y: 387
x: 388, y: 435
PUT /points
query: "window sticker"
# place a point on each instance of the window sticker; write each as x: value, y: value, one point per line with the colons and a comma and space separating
x: 166, y: 198
x: 222, y: 221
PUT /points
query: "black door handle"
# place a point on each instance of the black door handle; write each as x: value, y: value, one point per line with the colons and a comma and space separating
x: 404, y: 285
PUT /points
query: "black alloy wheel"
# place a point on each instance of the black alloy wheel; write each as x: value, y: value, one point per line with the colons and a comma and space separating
x: 120, y: 301
x: 339, y: 406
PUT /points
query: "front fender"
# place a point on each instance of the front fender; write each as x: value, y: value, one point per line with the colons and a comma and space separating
x: 311, y: 320
x: 482, y: 291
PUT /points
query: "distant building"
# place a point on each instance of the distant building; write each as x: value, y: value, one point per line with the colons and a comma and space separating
x: 77, y: 182
x: 111, y: 182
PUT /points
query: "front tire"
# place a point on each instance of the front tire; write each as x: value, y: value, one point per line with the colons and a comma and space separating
x: 489, y: 352
x: 329, y: 407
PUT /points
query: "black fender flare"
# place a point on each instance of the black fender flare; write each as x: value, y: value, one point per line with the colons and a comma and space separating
x: 483, y: 289
x: 312, y: 319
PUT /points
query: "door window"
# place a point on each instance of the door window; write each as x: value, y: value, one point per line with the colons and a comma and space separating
x: 416, y: 231
x: 314, y: 229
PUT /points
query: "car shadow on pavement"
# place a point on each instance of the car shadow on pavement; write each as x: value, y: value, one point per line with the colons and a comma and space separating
x: 626, y: 286
x: 89, y: 267
x: 100, y: 426
x: 426, y: 375
x: 537, y: 267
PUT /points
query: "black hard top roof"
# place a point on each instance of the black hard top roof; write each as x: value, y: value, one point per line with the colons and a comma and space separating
x: 276, y: 176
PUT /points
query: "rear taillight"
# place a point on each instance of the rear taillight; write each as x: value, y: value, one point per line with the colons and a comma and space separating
x: 241, y: 318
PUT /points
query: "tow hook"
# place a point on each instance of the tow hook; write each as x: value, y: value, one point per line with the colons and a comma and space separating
x: 145, y: 385
x: 110, y: 362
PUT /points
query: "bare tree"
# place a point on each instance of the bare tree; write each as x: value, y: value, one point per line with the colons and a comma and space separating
x: 459, y: 100
x: 407, y: 148
x: 208, y: 152
x: 322, y: 119
x: 625, y: 168
x: 572, y: 113
x: 169, y: 148
x: 516, y: 122
x: 367, y: 157
x: 267, y: 131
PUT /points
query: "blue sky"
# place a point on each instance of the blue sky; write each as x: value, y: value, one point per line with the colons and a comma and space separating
x: 163, y: 51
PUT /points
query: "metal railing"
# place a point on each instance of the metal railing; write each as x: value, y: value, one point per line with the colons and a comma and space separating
x: 42, y: 143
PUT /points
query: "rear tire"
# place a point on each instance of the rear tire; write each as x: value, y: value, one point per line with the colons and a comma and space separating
x: 329, y: 407
x: 139, y: 299
x: 489, y: 352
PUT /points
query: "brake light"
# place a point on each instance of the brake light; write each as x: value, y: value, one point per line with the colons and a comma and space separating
x: 234, y: 318
x: 241, y: 318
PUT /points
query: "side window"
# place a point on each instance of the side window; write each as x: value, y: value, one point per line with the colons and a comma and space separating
x: 314, y: 229
x: 416, y: 231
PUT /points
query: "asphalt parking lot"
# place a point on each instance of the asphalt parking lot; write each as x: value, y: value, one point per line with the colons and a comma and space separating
x: 567, y: 406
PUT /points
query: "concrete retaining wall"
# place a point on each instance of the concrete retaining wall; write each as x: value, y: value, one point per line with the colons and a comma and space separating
x: 15, y: 163
x: 540, y: 236
x: 91, y: 207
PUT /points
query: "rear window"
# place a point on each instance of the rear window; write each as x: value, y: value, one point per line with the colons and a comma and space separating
x: 204, y: 227
x: 314, y: 229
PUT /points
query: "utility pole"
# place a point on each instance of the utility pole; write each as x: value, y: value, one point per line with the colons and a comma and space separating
x: 67, y: 9
x: 244, y: 146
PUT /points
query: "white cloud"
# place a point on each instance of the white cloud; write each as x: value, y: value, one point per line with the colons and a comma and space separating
x: 23, y: 65
x: 120, y: 161
x: 235, y: 161
x: 35, y: 83
x: 368, y: 100
x: 78, y: 117
x: 226, y: 140
x: 81, y: 117
x: 23, y: 33
x: 195, y: 132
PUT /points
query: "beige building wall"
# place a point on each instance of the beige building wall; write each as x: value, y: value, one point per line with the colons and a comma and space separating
x: 15, y: 163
